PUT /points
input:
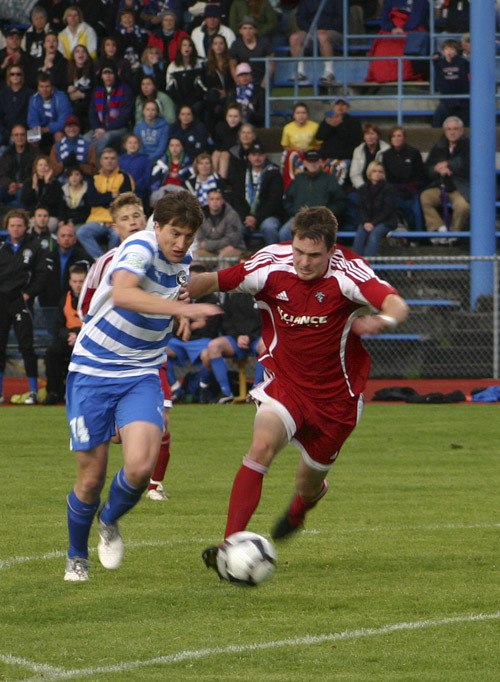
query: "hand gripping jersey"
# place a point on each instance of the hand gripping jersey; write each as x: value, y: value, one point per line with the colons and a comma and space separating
x: 116, y: 342
x: 306, y: 325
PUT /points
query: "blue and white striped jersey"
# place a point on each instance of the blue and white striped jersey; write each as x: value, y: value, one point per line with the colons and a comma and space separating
x: 115, y: 342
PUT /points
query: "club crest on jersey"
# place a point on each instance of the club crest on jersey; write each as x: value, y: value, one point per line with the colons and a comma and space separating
x: 320, y: 296
x: 182, y: 278
x: 27, y: 254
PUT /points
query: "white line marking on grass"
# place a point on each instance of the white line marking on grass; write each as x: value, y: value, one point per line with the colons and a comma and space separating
x: 191, y: 655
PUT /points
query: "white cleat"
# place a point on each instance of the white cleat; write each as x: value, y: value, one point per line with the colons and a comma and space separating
x: 110, y: 548
x: 158, y: 494
x: 77, y: 570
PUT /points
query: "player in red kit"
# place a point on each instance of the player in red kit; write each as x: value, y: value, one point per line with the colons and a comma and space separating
x: 316, y: 300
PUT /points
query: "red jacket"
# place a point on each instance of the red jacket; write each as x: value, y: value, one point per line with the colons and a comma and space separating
x: 156, y: 40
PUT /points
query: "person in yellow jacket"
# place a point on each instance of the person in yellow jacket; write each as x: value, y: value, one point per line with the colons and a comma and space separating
x: 104, y: 186
x: 77, y: 32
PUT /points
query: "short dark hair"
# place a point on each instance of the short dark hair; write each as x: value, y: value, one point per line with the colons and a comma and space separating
x: 179, y: 208
x: 316, y: 223
x: 78, y: 269
x: 43, y: 77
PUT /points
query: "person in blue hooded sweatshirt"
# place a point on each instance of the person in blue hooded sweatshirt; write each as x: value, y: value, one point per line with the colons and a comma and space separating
x: 153, y: 132
x: 135, y: 163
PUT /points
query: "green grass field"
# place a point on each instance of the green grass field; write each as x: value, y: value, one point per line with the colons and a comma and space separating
x: 396, y: 576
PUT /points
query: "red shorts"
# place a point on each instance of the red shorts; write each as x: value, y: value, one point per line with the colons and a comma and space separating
x: 318, y: 428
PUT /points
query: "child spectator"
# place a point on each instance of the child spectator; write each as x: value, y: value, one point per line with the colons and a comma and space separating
x: 452, y: 77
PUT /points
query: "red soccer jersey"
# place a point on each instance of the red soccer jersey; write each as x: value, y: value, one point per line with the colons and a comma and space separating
x: 306, y: 324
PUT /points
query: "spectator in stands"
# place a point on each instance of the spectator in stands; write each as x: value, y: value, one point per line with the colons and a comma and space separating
x: 250, y: 46
x: 313, y: 187
x: 405, y: 171
x: 12, y: 54
x: 261, y: 11
x: 203, y: 178
x: 167, y: 38
x: 377, y: 211
x: 221, y: 232
x: 225, y: 137
x: 359, y: 12
x: 67, y: 327
x: 196, y: 10
x: 448, y: 168
x: 73, y: 149
x: 465, y: 45
x: 339, y: 134
x: 153, y: 132
x: 104, y: 186
x: 32, y: 41
x: 43, y: 188
x: 211, y: 26
x: 16, y: 165
x: 193, y: 134
x: 154, y: 11
x: 453, y: 16
x: 111, y: 109
x: 40, y: 228
x: 135, y: 162
x: 168, y: 172
x: 14, y: 101
x: 48, y: 109
x: 247, y: 135
x: 328, y: 32
x: 148, y: 91
x: 51, y: 62
x: 452, y: 77
x: 258, y: 197
x: 183, y: 83
x: 132, y: 38
x: 371, y: 149
x: 249, y: 94
x: 152, y: 65
x: 110, y: 52
x: 23, y: 270
x: 75, y: 207
x: 218, y: 82
x: 55, y: 11
x: 81, y: 82
x: 297, y: 137
x: 77, y: 32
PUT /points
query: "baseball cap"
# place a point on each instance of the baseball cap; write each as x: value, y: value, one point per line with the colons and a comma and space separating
x: 212, y: 10
x: 312, y: 155
x: 243, y: 68
x: 341, y: 99
x: 13, y: 31
x: 247, y: 20
x: 256, y: 148
x: 72, y: 121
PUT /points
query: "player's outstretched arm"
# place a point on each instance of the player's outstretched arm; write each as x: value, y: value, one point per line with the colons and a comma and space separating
x: 203, y: 283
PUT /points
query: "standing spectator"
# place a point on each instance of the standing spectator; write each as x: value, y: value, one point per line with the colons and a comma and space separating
x: 136, y: 163
x: 111, y: 109
x: 16, y: 166
x: 261, y: 11
x: 12, y: 54
x: 153, y: 132
x: 221, y: 232
x: 328, y: 32
x: 203, y: 178
x: 193, y: 134
x: 81, y: 81
x: 339, y: 134
x: 247, y: 46
x: 249, y: 94
x: 23, y: 270
x: 77, y: 32
x: 377, y: 211
x: 452, y: 77
x: 148, y: 91
x: 43, y: 188
x: 110, y: 53
x: 51, y: 62
x: 48, y: 109
x: 169, y: 171
x: 448, y: 168
x: 14, y: 101
x: 73, y: 150
x: 183, y: 82
x: 225, y: 137
x: 405, y: 171
x: 297, y: 137
x: 211, y: 26
x: 218, y: 82
x: 167, y: 38
x: 32, y: 42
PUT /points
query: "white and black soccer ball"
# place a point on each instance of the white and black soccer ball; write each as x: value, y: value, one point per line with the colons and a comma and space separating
x: 246, y: 558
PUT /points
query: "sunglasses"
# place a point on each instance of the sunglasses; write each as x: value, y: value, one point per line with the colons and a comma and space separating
x: 16, y: 73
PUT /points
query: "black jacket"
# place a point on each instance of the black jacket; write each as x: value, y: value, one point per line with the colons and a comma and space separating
x: 23, y: 271
x: 241, y: 316
x: 339, y: 142
x: 404, y: 168
x: 378, y: 206
x: 53, y: 289
x: 270, y: 198
x: 459, y: 162
x: 14, y: 168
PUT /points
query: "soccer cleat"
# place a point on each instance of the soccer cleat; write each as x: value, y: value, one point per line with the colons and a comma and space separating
x: 52, y: 399
x: 110, y: 548
x: 31, y: 399
x: 158, y: 494
x: 223, y: 399
x: 77, y: 569
x: 327, y: 80
x: 284, y: 528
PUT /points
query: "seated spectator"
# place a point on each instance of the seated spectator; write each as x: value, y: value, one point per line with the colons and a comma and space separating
x: 75, y: 207
x: 328, y: 32
x: 221, y: 232
x: 451, y: 77
x: 51, y: 62
x: 249, y: 94
x: 43, y: 188
x: 371, y: 149
x: 377, y: 211
x: 262, y: 13
x: 12, y: 54
x: 225, y: 137
x: 313, y: 187
x: 169, y: 171
x: 249, y: 46
x: 153, y: 132
x: 136, y: 163
x: 183, y: 82
x: 202, y: 178
x: 73, y: 149
x: 217, y: 81
x: 297, y: 137
x: 258, y: 197
x: 339, y: 134
x: 111, y: 110
x: 77, y: 32
x: 167, y: 38
x: 110, y: 52
x: 81, y: 82
x: 448, y: 169
x: 154, y: 11
x: 14, y: 101
x: 132, y: 38
x: 204, y: 34
x: 67, y: 328
x: 104, y: 186
x: 48, y: 109
x: 404, y: 170
x: 151, y: 65
x: 32, y: 42
x: 148, y: 91
x: 193, y: 134
x: 16, y: 166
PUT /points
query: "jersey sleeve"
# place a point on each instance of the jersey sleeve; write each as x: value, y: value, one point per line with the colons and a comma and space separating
x: 248, y: 277
x: 135, y: 256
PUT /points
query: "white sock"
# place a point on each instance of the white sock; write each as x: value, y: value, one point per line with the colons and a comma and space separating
x: 328, y: 68
x: 300, y: 67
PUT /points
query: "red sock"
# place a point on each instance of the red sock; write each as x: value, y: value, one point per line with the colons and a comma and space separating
x: 245, y: 496
x: 162, y: 462
x: 299, y: 505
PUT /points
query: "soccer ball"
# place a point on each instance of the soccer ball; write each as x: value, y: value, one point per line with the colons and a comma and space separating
x: 246, y: 558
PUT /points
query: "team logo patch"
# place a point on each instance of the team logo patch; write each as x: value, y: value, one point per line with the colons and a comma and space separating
x: 135, y: 260
x: 27, y: 254
x: 320, y: 296
x: 182, y: 278
x: 282, y: 296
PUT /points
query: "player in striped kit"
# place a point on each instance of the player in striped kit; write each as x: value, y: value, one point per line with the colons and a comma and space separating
x: 316, y: 299
x: 113, y: 375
